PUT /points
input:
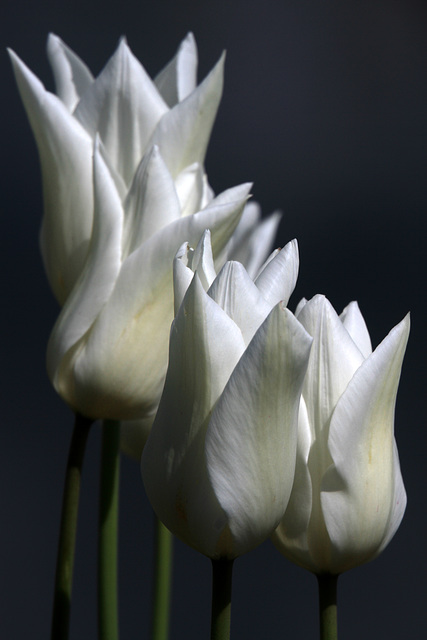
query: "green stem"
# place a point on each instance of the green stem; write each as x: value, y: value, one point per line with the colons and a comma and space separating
x: 221, y: 598
x: 162, y: 582
x: 68, y: 528
x: 108, y: 625
x: 328, y: 606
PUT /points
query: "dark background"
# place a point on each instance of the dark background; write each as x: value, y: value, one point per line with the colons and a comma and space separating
x: 324, y: 108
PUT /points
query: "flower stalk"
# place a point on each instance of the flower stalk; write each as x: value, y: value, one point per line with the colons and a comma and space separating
x: 108, y: 627
x: 222, y: 570
x: 328, y: 606
x: 68, y: 528
x: 163, y: 553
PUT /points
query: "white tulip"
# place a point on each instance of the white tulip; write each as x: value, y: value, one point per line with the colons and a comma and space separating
x: 348, y: 497
x: 129, y: 114
x: 219, y: 463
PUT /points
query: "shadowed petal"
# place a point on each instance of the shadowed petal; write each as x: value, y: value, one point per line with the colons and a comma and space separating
x: 66, y: 161
x: 253, y: 239
x: 95, y: 284
x: 290, y: 537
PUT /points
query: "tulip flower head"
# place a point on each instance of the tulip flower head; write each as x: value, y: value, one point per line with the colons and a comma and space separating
x: 348, y: 496
x: 219, y: 463
x: 124, y: 185
x: 129, y: 113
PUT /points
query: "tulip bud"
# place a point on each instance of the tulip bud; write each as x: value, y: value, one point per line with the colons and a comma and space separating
x: 219, y: 463
x: 348, y: 496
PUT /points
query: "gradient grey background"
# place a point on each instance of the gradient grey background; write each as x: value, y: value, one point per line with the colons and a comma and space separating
x: 325, y: 109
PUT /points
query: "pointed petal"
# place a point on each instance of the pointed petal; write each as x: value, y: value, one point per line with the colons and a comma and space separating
x: 301, y: 304
x: 353, y: 321
x: 94, y: 287
x: 202, y: 261
x: 334, y: 359
x: 252, y: 434
x: 152, y: 202
x: 204, y: 348
x: 277, y: 280
x: 358, y: 496
x: 183, y: 133
x: 235, y: 292
x: 179, y: 78
x: 72, y: 76
x: 187, y: 262
x: 66, y: 162
x: 124, y: 106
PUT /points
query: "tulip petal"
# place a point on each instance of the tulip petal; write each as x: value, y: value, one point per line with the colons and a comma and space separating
x: 152, y: 202
x: 290, y: 537
x: 179, y: 78
x: 187, y: 262
x: 301, y: 304
x: 182, y: 275
x: 252, y: 435
x: 399, y: 503
x: 278, y: 278
x: 202, y: 261
x: 250, y: 218
x: 252, y: 241
x: 334, y: 359
x: 236, y: 293
x: 72, y: 76
x: 359, y: 490
x: 66, y: 161
x: 353, y: 321
x: 95, y: 284
x: 183, y: 132
x: 123, y: 106
x: 204, y: 347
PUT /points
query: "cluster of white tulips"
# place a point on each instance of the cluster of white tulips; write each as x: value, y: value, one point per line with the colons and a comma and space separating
x: 249, y: 420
